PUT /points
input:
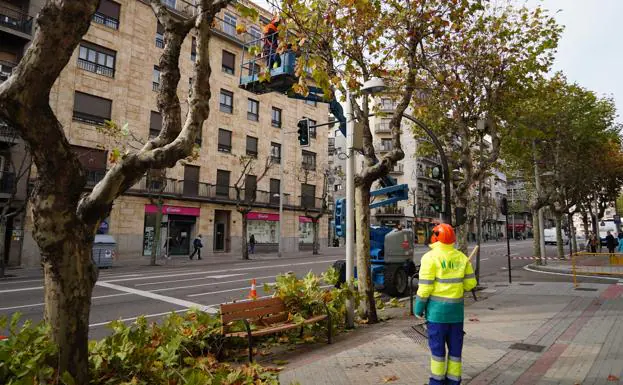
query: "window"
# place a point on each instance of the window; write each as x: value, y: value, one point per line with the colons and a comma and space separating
x: 331, y: 145
x: 254, y: 69
x: 309, y: 160
x: 169, y: 3
x: 312, y: 128
x: 308, y: 194
x: 276, y: 117
x: 227, y: 101
x: 155, y: 124
x: 91, y: 109
x: 253, y: 110
x: 107, y: 14
x: 160, y: 36
x: 193, y: 49
x: 93, y: 161
x: 191, y: 180
x: 228, y: 62
x: 310, y: 102
x: 155, y: 79
x: 255, y: 34
x: 224, y: 140
x: 386, y: 145
x: 275, y: 152
x: 229, y: 24
x: 250, y: 188
x: 251, y: 146
x: 96, y: 59
x: 275, y: 187
x: 222, y: 183
x: 338, y: 187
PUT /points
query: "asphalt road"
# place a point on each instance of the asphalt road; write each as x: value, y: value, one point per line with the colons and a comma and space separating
x: 126, y: 293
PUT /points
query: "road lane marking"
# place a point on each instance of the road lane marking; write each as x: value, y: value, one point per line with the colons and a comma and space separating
x: 224, y: 276
x: 42, y: 303
x: 484, y: 259
x: 220, y: 271
x: 208, y: 284
x: 21, y: 289
x: 158, y: 297
x: 187, y: 279
x: 14, y: 280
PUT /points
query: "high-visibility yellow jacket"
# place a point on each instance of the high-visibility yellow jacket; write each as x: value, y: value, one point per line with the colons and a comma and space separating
x: 445, y: 274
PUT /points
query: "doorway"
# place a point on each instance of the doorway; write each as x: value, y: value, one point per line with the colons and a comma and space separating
x: 221, y: 230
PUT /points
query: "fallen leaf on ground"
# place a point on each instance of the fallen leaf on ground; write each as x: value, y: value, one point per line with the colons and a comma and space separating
x: 280, y: 362
x: 390, y: 379
x: 613, y: 378
x: 474, y: 320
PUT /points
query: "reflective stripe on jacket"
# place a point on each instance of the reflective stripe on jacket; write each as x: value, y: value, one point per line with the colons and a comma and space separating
x: 445, y: 274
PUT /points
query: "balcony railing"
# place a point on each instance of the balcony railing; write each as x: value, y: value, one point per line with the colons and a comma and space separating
x: 107, y: 21
x: 88, y: 118
x: 398, y: 169
x: 386, y: 105
x: 16, y: 20
x: 6, y: 69
x: 384, y: 148
x: 382, y: 128
x: 159, y: 42
x: 155, y: 86
x: 96, y: 68
x: 390, y: 211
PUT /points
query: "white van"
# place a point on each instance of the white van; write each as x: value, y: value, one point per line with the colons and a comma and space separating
x: 605, y: 226
x: 550, y: 237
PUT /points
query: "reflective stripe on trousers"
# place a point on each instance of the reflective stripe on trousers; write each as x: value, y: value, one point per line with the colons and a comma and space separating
x: 445, y: 371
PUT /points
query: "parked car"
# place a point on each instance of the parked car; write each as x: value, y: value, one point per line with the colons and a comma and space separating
x: 550, y: 237
x: 104, y: 249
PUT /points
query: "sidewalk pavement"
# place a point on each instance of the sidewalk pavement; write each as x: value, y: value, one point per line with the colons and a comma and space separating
x: 569, y: 336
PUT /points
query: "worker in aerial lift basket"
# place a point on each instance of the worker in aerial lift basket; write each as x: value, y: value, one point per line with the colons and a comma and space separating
x: 271, y: 43
x: 445, y: 274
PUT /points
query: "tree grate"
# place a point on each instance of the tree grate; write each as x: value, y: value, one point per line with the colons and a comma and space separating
x: 527, y: 347
x: 417, y: 333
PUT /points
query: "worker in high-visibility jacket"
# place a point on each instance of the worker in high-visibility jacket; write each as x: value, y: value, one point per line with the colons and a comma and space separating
x: 445, y: 274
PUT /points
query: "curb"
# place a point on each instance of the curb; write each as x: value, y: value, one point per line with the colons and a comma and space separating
x: 548, y: 269
x: 569, y: 273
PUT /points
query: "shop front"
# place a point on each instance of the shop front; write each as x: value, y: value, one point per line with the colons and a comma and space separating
x: 306, y: 231
x: 264, y: 227
x: 177, y: 229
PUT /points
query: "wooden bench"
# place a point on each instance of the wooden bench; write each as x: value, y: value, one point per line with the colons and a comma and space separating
x: 269, y: 315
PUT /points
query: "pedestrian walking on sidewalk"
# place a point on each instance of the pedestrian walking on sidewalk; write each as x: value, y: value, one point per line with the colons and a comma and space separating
x: 197, y: 245
x: 592, y: 242
x: 445, y: 274
x: 252, y: 244
x: 611, y: 242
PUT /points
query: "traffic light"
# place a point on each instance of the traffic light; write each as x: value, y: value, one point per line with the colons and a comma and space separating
x: 434, y: 192
x: 504, y: 206
x: 436, y: 173
x: 340, y: 217
x: 303, y: 131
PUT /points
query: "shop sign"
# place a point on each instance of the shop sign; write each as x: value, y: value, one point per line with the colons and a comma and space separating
x: 256, y: 216
x: 176, y: 210
x: 303, y: 219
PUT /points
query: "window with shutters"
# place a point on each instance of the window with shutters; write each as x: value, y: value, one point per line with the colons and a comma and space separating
x: 253, y: 110
x: 311, y: 102
x: 193, y: 49
x: 224, y: 140
x: 91, y: 109
x: 255, y: 33
x: 155, y: 79
x: 107, y: 14
x: 275, y: 188
x: 309, y: 160
x: 155, y: 124
x: 160, y: 36
x: 222, y: 183
x: 191, y: 180
x: 276, y: 117
x: 228, y: 62
x: 96, y: 59
x: 275, y: 152
x: 250, y: 188
x: 308, y: 195
x: 227, y: 101
x: 252, y: 146
x: 93, y: 161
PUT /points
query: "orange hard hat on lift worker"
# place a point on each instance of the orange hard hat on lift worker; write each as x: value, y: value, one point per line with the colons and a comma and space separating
x: 443, y: 233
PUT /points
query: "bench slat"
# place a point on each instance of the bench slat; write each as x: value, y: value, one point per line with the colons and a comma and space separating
x: 277, y: 328
x: 251, y: 309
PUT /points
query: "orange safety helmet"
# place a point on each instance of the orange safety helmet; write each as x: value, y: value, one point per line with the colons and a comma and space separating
x: 443, y: 233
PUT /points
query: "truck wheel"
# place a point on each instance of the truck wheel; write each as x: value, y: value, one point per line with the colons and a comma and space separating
x: 340, y: 266
x: 396, y: 282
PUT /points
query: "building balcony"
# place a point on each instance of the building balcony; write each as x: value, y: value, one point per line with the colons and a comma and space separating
x: 398, y: 169
x: 381, y: 149
x: 382, y: 128
x: 388, y: 105
x: 6, y: 69
x: 8, y: 134
x: 15, y: 20
x: 390, y: 211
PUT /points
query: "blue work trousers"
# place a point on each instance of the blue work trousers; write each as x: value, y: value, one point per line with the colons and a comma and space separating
x: 445, y: 370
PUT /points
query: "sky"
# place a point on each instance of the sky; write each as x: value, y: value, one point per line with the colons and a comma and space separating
x: 590, y: 52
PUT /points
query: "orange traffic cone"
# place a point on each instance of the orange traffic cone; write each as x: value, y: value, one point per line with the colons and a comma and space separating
x: 253, y: 292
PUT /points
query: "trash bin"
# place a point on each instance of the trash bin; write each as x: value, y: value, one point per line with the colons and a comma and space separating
x: 104, y: 249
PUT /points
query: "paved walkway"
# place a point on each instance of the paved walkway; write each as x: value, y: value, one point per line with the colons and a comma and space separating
x: 572, y: 336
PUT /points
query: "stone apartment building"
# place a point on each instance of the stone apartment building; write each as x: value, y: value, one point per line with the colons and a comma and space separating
x: 113, y: 75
